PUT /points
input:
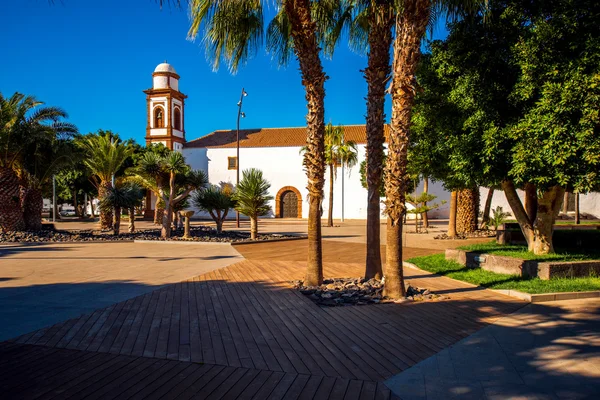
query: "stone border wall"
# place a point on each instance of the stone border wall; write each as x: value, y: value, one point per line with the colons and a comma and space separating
x: 526, y: 268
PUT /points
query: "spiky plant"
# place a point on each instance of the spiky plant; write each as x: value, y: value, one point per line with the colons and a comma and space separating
x: 215, y: 200
x: 121, y: 197
x: 252, y: 197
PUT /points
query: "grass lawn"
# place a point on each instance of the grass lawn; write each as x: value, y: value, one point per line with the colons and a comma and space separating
x: 517, y: 251
x: 567, y: 222
x: 438, y: 264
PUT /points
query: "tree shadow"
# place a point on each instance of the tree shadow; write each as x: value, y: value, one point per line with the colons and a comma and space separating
x: 248, y: 315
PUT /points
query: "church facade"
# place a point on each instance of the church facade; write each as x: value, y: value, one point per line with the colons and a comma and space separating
x: 276, y: 152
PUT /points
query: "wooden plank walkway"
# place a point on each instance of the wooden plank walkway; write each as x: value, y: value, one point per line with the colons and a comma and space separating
x: 255, y: 336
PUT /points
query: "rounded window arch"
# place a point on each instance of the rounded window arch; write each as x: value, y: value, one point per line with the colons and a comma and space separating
x: 159, y: 117
x: 177, y: 119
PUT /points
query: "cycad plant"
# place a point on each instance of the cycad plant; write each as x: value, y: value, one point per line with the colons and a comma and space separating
x: 215, y: 200
x: 104, y: 156
x: 252, y: 197
x: 23, y: 123
x: 233, y: 30
x: 118, y: 198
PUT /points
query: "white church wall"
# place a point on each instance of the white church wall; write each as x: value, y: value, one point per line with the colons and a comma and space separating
x: 160, y: 82
x: 174, y: 83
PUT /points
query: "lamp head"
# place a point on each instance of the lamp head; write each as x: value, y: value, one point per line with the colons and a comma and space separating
x: 244, y: 93
x: 243, y: 114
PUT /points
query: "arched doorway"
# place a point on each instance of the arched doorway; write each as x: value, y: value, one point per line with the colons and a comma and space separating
x: 289, y: 203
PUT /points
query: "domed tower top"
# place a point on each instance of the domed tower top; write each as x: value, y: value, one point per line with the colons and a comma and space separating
x: 165, y: 76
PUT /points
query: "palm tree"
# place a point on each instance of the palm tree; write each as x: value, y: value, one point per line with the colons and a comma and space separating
x: 118, y: 198
x: 338, y: 152
x: 234, y: 29
x: 217, y: 201
x: 252, y: 197
x: 412, y: 20
x: 22, y: 123
x: 105, y: 155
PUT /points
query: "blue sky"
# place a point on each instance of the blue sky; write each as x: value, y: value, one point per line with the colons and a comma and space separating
x: 94, y: 59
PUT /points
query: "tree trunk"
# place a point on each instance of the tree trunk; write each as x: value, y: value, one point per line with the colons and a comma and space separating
x: 306, y: 48
x: 577, y: 216
x: 467, y: 210
x: 411, y: 24
x: 487, y: 208
x: 132, y: 220
x: 106, y: 216
x: 117, y: 221
x: 426, y: 190
x: 376, y: 75
x: 11, y: 214
x: 519, y: 212
x: 330, y: 213
x: 531, y: 201
x: 253, y: 227
x: 219, y: 223
x: 76, y: 204
x: 452, y: 220
x: 565, y: 204
x: 416, y: 222
x: 32, y: 209
x: 158, y: 210
x: 548, y: 209
x: 394, y: 278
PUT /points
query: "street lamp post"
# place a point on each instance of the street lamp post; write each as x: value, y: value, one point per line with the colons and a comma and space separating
x: 237, y: 158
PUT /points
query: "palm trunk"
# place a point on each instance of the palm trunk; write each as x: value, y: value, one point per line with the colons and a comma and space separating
x: 32, y: 209
x: 253, y: 227
x: 467, y: 210
x: 411, y: 24
x: 158, y: 210
x: 531, y: 201
x: 132, y: 220
x: 330, y: 211
x: 106, y: 216
x: 307, y: 52
x: 376, y: 75
x: 426, y: 190
x: 168, y: 213
x: 117, y: 221
x: 452, y: 217
x: 487, y: 208
x: 11, y: 214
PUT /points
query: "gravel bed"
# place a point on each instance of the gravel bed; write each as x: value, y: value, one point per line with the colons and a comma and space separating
x: 341, y: 292
x: 483, y: 233
x: 199, y: 234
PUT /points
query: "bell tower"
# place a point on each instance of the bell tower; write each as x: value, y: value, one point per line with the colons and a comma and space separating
x: 165, y: 109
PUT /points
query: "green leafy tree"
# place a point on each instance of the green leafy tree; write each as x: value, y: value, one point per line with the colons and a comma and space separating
x: 105, y: 154
x: 252, y: 197
x: 215, y: 200
x: 559, y: 91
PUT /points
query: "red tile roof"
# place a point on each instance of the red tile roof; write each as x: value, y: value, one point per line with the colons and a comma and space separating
x: 270, y: 137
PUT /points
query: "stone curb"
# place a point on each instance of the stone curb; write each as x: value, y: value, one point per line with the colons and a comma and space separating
x: 197, y: 242
x: 530, y: 298
x: 270, y: 240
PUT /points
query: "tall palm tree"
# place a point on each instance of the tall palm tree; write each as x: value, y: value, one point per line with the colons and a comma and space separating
x: 338, y: 153
x: 233, y: 29
x: 252, y: 197
x: 22, y: 123
x: 105, y: 155
x: 412, y: 19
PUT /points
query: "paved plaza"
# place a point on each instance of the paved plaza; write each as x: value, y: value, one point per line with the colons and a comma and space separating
x: 170, y: 320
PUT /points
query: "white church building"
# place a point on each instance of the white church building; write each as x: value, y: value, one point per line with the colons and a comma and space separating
x: 276, y: 152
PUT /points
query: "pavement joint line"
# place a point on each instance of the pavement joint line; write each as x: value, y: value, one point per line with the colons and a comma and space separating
x: 528, y: 297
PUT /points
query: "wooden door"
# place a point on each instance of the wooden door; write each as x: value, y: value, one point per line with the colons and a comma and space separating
x: 289, y: 205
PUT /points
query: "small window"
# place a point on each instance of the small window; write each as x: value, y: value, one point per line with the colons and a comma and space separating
x: 177, y: 119
x: 231, y: 162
